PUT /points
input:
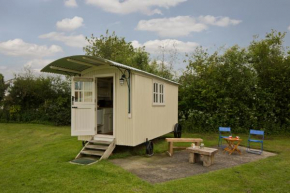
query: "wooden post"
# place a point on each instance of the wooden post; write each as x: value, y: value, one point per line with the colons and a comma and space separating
x: 170, y: 148
x: 207, y: 160
x: 191, y: 158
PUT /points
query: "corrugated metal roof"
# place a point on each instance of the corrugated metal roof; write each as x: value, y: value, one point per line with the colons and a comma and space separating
x: 74, y: 65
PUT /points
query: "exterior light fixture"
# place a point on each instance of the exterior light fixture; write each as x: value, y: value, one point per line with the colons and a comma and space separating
x: 128, y: 80
x: 122, y: 80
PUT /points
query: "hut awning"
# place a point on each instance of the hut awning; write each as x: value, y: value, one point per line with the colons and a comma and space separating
x: 75, y: 65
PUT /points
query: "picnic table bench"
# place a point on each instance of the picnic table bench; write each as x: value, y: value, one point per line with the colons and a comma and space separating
x: 170, y: 141
x: 207, y: 153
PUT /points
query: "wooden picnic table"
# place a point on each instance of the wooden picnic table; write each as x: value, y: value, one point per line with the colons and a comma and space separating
x: 233, y: 144
x: 207, y: 153
x: 170, y: 141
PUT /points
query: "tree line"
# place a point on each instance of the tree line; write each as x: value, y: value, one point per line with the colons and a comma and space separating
x: 239, y: 87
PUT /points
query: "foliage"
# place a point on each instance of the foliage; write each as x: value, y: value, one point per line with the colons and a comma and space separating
x: 115, y: 48
x: 37, y: 99
x: 241, y: 88
x: 2, y: 87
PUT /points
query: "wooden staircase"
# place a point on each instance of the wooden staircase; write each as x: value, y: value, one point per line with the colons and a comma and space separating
x: 96, y: 150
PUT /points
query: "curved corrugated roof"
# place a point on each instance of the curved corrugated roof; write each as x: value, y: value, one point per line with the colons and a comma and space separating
x: 73, y: 65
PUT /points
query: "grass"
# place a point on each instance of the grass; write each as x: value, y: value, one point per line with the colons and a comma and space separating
x: 34, y: 158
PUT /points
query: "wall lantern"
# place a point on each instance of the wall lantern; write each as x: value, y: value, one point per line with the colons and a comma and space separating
x: 122, y: 82
x: 122, y: 79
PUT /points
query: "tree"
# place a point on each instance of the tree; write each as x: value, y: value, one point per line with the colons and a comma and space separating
x: 2, y: 87
x: 112, y: 47
x: 115, y: 48
x: 271, y: 62
x: 34, y: 98
x: 242, y: 88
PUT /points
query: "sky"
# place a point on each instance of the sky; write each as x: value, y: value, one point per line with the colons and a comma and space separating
x: 34, y: 33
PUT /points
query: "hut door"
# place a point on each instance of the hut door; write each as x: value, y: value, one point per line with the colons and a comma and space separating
x: 83, y: 108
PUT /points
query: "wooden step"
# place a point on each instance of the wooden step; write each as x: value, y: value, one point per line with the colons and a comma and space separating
x: 102, y: 139
x: 97, y: 150
x: 92, y: 152
x: 101, y: 147
x: 101, y: 142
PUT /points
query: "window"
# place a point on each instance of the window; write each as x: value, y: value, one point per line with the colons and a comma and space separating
x: 158, y: 94
x: 83, y: 91
x: 161, y: 94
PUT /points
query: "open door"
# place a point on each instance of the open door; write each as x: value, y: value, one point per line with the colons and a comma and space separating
x: 83, y: 106
x: 105, y: 110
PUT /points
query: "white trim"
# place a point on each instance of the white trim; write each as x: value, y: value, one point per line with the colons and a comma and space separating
x: 114, y: 103
x: 158, y: 93
x: 138, y: 70
x: 83, y: 93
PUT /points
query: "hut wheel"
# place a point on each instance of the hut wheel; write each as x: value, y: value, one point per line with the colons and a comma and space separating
x: 149, y: 148
x: 177, y: 130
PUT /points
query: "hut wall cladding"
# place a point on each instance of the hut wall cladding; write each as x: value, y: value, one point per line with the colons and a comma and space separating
x: 123, y: 127
x: 152, y: 121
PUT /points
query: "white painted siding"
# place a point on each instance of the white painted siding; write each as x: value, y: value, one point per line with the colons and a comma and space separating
x: 152, y: 121
x: 147, y: 121
x: 123, y: 127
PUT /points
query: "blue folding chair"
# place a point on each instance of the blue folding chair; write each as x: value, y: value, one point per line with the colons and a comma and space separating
x: 259, y: 134
x: 223, y: 130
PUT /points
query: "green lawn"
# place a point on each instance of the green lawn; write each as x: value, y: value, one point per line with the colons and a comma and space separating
x: 35, y: 158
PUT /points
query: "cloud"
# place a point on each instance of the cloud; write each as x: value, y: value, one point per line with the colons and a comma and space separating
x: 131, y: 6
x: 3, y: 67
x: 18, y: 47
x: 183, y: 25
x: 37, y: 64
x: 289, y: 28
x: 70, y: 3
x: 172, y: 27
x: 78, y: 41
x: 218, y: 21
x: 69, y: 24
x: 153, y: 46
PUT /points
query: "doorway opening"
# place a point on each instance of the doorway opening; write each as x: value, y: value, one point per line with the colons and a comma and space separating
x: 105, y: 100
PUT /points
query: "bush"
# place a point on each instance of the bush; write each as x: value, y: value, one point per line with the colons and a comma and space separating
x: 241, y: 88
x: 38, y: 99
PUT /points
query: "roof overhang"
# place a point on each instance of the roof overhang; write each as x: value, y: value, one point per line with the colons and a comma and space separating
x: 75, y: 65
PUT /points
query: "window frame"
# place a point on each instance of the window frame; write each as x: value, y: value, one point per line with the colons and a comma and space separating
x: 158, y: 93
x: 82, y: 90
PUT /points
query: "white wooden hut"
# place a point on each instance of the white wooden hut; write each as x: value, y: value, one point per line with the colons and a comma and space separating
x: 115, y: 103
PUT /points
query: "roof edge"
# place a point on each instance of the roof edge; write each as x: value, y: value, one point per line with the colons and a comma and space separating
x: 49, y: 67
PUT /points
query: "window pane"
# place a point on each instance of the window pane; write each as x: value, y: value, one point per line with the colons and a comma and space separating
x: 88, y: 96
x: 156, y: 98
x: 76, y: 96
x: 156, y: 87
x: 80, y: 96
x: 76, y: 85
x: 88, y: 86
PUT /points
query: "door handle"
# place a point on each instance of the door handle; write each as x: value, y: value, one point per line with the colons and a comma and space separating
x: 74, y: 107
x: 72, y: 100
